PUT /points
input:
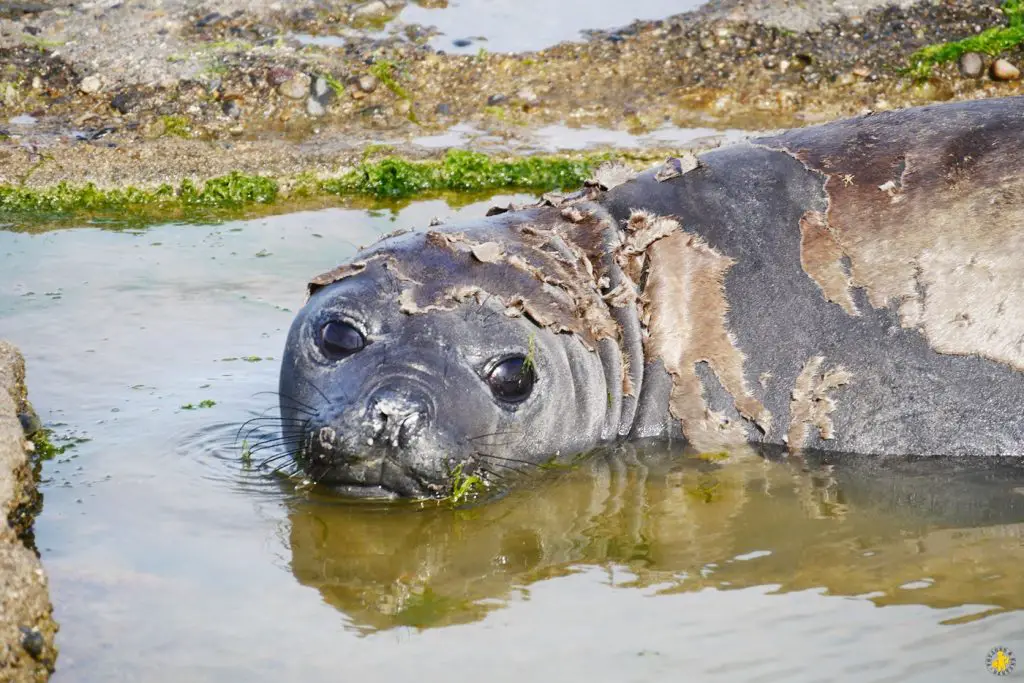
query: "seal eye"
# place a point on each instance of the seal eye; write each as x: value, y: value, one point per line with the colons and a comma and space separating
x: 340, y: 339
x: 512, y: 379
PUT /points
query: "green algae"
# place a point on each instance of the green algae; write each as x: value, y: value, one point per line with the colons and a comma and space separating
x: 991, y: 42
x: 177, y: 126
x: 465, y: 487
x: 234, y: 190
x: 461, y: 171
x: 387, y: 179
x: 385, y: 71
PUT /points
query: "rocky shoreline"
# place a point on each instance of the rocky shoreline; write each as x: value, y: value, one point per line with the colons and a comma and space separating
x: 231, y: 87
x: 27, y: 628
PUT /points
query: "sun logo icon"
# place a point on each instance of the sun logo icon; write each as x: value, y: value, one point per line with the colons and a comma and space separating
x: 1000, y: 661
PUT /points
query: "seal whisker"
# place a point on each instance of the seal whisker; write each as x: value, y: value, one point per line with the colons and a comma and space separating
x: 286, y: 396
x: 266, y: 422
x: 275, y: 443
x: 498, y: 458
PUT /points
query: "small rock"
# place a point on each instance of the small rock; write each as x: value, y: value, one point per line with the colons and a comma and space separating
x: 443, y: 109
x: 231, y: 108
x: 210, y: 19
x: 372, y: 9
x: 1002, y: 70
x: 90, y: 84
x: 314, y: 108
x: 323, y: 92
x: 462, y: 42
x: 32, y: 641
x: 496, y: 99
x: 296, y: 87
x: 279, y: 75
x: 368, y: 82
x: 527, y: 96
x: 971, y: 65
x: 126, y: 101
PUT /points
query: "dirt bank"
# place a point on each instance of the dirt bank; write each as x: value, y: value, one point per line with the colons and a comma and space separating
x: 158, y: 91
x: 27, y: 629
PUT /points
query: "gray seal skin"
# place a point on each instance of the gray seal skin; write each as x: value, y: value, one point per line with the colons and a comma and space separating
x: 855, y: 287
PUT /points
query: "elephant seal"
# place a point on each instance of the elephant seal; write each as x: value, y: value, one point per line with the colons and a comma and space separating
x: 854, y: 287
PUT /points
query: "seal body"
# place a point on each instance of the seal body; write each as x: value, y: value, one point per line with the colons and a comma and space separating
x: 853, y: 287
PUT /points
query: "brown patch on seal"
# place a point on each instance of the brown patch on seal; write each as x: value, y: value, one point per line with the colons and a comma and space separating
x: 928, y: 206
x: 811, y: 406
x: 687, y: 307
x: 822, y: 259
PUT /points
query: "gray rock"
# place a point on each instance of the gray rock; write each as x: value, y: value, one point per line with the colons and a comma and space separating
x: 231, y: 108
x: 90, y: 84
x: 1003, y: 70
x: 314, y: 108
x: 443, y: 109
x: 323, y: 92
x: 496, y: 99
x: 296, y: 87
x: 971, y: 64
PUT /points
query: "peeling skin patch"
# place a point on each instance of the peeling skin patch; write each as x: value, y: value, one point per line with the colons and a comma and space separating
x: 821, y: 257
x: 610, y: 175
x: 677, y: 166
x: 811, y: 406
x: 687, y: 308
x: 332, y: 276
x: 933, y: 223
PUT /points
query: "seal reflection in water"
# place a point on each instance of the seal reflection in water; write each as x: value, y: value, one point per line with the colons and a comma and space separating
x: 680, y: 524
x: 856, y: 287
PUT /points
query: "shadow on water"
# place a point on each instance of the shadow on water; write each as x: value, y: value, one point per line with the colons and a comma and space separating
x: 929, y: 532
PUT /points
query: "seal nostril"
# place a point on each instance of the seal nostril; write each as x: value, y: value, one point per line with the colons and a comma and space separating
x: 409, y: 428
x: 395, y: 419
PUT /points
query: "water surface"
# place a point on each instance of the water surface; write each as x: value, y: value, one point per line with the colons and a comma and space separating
x: 528, y: 25
x: 169, y: 561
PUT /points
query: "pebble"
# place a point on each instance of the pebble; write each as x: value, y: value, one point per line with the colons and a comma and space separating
x: 231, y: 108
x: 323, y: 92
x: 126, y: 101
x: 314, y: 108
x: 32, y: 641
x: 90, y: 84
x: 443, y: 109
x: 462, y: 42
x: 278, y: 75
x: 374, y: 8
x: 496, y: 99
x: 368, y: 82
x: 1002, y: 70
x: 527, y: 96
x: 971, y: 65
x: 296, y: 87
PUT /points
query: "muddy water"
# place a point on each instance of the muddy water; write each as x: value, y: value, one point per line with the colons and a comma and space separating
x: 170, y: 561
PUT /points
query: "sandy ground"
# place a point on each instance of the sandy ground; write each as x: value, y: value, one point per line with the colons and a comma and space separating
x: 138, y: 92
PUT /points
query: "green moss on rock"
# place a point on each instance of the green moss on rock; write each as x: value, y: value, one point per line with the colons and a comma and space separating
x: 991, y: 41
x: 461, y: 171
x: 389, y: 178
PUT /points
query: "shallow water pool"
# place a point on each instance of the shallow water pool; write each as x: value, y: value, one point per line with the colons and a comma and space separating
x: 170, y: 561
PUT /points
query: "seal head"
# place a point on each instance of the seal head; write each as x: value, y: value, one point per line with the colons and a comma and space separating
x: 483, y: 351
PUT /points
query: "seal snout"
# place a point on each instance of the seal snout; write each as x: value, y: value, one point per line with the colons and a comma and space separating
x: 396, y: 418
